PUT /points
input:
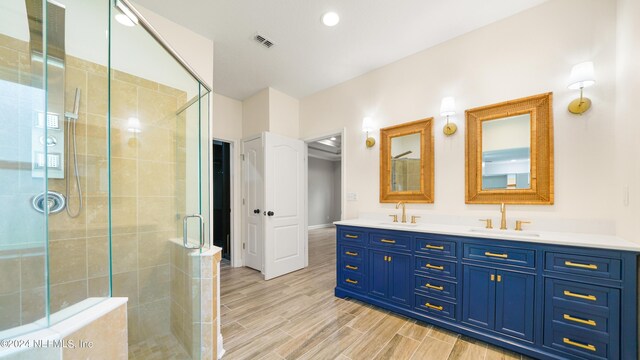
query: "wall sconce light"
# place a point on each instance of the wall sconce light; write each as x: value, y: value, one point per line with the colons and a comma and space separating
x: 448, y: 108
x: 367, y: 126
x: 581, y: 77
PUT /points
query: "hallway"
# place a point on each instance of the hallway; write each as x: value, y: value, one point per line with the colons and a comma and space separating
x: 296, y: 316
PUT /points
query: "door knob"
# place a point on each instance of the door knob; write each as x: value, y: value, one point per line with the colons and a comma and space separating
x: 256, y: 211
x: 270, y: 213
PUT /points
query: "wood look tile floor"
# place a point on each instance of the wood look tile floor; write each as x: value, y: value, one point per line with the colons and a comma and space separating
x: 297, y: 316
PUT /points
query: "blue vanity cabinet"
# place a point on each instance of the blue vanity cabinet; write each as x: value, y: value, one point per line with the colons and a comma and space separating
x: 546, y: 301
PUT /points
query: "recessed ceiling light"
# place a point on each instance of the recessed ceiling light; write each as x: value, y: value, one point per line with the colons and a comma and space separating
x: 333, y: 138
x: 330, y: 19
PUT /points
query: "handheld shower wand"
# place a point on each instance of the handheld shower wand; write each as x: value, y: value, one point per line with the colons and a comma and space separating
x: 72, y: 119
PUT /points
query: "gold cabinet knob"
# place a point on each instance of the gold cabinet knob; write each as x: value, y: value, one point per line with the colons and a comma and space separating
x: 413, y: 218
x: 488, y: 223
x: 395, y: 218
x: 519, y: 224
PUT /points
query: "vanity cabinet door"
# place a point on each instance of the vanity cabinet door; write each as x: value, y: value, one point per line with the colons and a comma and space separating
x: 499, y: 300
x: 478, y: 296
x: 400, y: 284
x: 390, y: 276
x: 378, y: 274
x: 514, y: 304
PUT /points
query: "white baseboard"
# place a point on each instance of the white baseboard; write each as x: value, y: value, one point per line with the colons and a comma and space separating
x: 321, y: 226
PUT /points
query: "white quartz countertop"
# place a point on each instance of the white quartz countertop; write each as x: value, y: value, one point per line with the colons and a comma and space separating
x: 598, y: 241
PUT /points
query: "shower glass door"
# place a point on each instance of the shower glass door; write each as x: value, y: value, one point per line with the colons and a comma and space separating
x: 156, y: 195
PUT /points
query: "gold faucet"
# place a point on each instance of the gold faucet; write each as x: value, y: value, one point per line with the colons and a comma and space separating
x: 404, y: 213
x: 519, y: 224
x: 503, y: 219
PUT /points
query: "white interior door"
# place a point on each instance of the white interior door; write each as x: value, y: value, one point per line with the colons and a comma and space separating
x: 253, y: 188
x: 285, y: 204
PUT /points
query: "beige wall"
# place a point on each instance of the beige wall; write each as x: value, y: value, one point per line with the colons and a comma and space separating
x: 227, y: 118
x: 626, y: 125
x: 273, y: 111
x: 255, y: 114
x: 194, y: 48
x: 284, y: 114
x: 227, y: 125
x: 529, y: 53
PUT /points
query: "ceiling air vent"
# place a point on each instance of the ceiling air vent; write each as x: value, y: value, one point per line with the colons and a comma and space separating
x: 263, y: 41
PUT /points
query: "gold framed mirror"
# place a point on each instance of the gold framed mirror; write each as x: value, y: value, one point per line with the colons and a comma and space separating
x: 509, y: 152
x: 406, y: 162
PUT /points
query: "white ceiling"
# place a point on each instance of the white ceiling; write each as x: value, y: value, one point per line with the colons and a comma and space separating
x: 309, y: 56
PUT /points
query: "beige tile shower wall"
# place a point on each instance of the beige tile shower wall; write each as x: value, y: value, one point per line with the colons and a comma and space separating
x: 147, y: 173
x: 194, y: 300
x: 107, y: 336
x: 183, y: 286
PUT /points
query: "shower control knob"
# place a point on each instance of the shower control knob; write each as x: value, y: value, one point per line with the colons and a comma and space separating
x: 256, y: 211
x: 270, y: 213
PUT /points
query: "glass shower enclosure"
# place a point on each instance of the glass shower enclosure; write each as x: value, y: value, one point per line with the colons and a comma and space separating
x: 103, y: 156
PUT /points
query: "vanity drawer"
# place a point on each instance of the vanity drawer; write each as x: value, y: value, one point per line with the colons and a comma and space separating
x: 500, y: 254
x: 435, y: 247
x: 351, y: 253
x: 351, y: 266
x: 435, y: 307
x: 576, y: 316
x: 389, y: 240
x: 435, y: 287
x: 571, y: 293
x: 436, y: 268
x: 580, y: 343
x: 583, y: 265
x: 352, y: 280
x: 349, y: 235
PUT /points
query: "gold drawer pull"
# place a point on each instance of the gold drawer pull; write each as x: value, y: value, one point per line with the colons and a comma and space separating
x: 351, y: 267
x: 434, y: 267
x: 351, y: 236
x: 582, y: 266
x: 577, y: 344
x: 439, y: 288
x: 578, y: 320
x: 439, y: 308
x: 501, y: 256
x: 388, y: 241
x: 351, y: 253
x: 434, y: 247
x: 580, y: 296
x: 351, y: 281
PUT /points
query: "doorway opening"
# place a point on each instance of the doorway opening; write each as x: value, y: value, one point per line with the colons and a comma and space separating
x: 325, y: 181
x: 222, y: 197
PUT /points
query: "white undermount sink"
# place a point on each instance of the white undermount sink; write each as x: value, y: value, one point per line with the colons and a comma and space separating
x: 506, y: 232
x: 391, y: 223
